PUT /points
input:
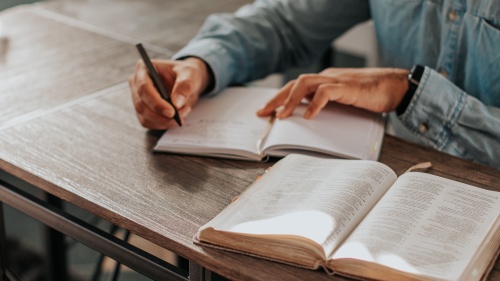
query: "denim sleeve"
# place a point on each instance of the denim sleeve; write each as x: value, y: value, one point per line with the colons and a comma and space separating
x: 268, y: 36
x: 450, y: 120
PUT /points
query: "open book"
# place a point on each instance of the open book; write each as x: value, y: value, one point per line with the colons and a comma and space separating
x: 227, y: 126
x: 356, y: 218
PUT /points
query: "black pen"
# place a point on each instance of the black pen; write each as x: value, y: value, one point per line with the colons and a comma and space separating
x: 157, y: 81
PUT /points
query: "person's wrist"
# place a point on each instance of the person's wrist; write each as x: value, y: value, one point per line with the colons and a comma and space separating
x: 414, y: 77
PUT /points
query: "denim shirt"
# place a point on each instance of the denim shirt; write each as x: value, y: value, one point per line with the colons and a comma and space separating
x: 456, y: 108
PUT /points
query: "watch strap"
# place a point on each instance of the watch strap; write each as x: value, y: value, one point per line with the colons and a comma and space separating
x: 413, y: 81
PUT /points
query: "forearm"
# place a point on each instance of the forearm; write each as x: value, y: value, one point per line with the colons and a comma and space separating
x: 450, y: 120
x: 271, y: 35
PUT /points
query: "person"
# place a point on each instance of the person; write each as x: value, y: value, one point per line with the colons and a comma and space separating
x: 451, y: 102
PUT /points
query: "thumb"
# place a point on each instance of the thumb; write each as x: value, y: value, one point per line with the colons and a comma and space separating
x: 181, y: 92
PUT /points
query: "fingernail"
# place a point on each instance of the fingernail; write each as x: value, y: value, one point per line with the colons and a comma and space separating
x: 185, y: 112
x: 179, y: 101
x: 280, y: 112
x: 308, y: 113
x: 167, y: 113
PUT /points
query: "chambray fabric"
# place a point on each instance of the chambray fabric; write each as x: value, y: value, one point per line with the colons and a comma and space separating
x: 455, y: 109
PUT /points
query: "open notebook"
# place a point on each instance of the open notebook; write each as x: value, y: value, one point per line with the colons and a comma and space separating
x: 227, y: 126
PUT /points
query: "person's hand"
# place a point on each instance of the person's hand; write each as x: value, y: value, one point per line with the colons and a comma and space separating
x: 374, y: 89
x: 186, y: 79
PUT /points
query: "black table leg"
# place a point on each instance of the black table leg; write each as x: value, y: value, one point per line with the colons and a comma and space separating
x: 93, y: 237
x: 55, y: 247
x: 3, y: 247
x: 116, y: 270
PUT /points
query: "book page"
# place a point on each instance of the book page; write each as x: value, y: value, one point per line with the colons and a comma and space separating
x: 319, y: 199
x: 226, y: 123
x: 337, y: 130
x: 425, y: 225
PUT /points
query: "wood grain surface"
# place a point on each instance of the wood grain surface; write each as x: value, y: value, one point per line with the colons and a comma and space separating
x: 167, y: 23
x: 95, y: 155
x: 68, y: 127
x: 45, y: 64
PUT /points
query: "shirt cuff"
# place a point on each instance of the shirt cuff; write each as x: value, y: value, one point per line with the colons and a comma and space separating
x: 434, y: 109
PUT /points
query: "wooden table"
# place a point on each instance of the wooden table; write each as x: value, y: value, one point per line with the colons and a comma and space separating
x: 67, y: 127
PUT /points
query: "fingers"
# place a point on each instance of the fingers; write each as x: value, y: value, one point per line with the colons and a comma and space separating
x: 186, y: 109
x: 142, y: 86
x: 183, y: 89
x: 292, y: 94
x: 149, y: 118
x: 360, y: 95
x: 192, y: 78
x: 323, y: 94
x: 344, y: 93
x: 181, y: 77
x: 277, y: 101
x: 303, y: 86
x: 373, y: 89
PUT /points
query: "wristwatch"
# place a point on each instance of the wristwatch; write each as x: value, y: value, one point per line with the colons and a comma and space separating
x: 414, y: 77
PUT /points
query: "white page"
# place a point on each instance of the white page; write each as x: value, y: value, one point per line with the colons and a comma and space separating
x: 338, y: 130
x: 221, y: 124
x: 320, y: 199
x: 425, y: 225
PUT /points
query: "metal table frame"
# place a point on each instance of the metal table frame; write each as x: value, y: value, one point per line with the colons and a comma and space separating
x: 51, y: 214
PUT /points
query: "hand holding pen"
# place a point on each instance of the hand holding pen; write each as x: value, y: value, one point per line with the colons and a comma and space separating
x: 185, y: 79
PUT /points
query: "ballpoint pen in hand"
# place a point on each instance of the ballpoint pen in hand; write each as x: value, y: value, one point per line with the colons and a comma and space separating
x: 157, y: 81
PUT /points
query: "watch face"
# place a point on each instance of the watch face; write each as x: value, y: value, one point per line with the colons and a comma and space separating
x: 415, y: 74
x: 412, y: 80
x: 413, y: 69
